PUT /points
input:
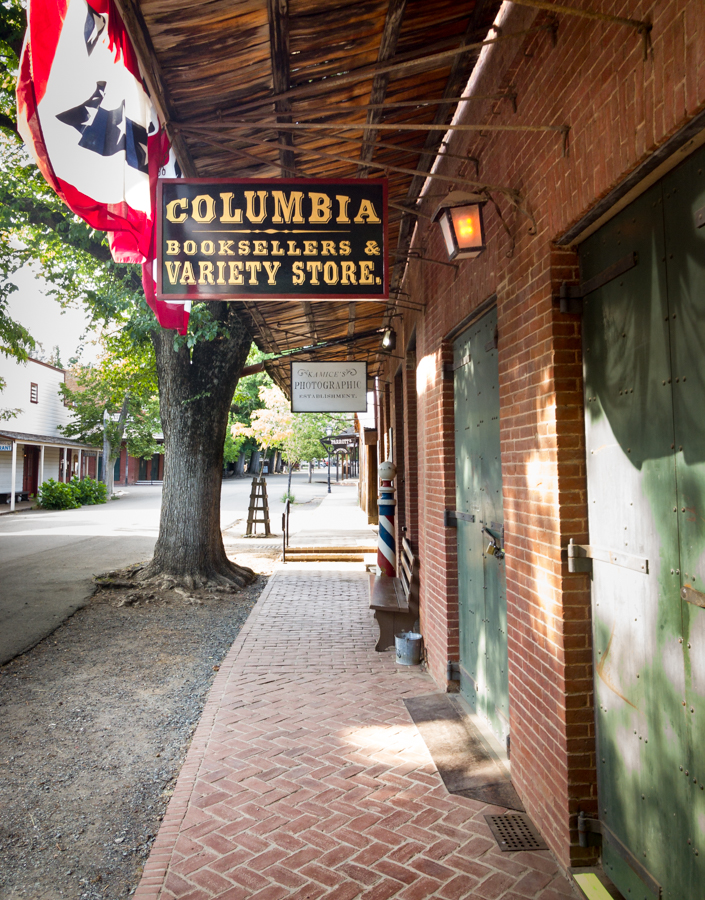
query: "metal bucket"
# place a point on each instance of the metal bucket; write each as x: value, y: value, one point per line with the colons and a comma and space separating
x: 408, y: 646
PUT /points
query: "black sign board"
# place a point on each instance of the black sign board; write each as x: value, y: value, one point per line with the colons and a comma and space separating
x: 277, y: 239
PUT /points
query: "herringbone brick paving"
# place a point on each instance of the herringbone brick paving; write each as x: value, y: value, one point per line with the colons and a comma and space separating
x: 306, y: 778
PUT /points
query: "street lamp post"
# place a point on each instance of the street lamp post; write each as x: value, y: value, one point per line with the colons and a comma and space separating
x: 329, y: 432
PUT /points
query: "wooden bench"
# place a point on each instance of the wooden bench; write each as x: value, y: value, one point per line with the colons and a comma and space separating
x: 396, y: 600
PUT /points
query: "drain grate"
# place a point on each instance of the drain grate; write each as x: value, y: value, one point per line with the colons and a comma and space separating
x: 515, y: 831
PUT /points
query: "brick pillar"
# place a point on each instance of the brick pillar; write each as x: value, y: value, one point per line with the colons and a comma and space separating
x: 548, y: 610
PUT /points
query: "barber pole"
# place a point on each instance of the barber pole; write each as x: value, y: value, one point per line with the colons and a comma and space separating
x: 386, y: 547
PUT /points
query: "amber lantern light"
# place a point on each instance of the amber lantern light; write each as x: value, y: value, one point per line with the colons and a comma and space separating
x: 462, y: 225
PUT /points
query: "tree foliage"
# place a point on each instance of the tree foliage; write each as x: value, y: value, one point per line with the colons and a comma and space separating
x: 297, y: 434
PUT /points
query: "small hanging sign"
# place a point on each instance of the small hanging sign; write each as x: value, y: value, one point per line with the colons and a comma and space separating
x: 334, y: 387
x: 273, y: 239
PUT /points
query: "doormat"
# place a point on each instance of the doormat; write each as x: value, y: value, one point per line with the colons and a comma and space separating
x: 515, y: 832
x: 462, y: 758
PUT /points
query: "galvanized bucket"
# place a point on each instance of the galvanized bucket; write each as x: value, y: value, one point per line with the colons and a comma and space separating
x: 408, y: 646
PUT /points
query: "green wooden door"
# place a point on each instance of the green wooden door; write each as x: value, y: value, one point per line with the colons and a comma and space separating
x: 642, y: 333
x: 482, y: 595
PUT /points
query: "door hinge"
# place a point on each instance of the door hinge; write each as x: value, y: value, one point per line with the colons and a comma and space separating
x: 452, y: 516
x: 591, y: 832
x: 580, y: 557
x: 700, y: 217
x: 570, y: 296
x: 690, y: 595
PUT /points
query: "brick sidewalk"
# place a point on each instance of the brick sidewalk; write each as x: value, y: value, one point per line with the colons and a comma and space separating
x: 306, y: 778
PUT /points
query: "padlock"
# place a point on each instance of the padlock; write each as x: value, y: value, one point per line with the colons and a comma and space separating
x: 490, y: 549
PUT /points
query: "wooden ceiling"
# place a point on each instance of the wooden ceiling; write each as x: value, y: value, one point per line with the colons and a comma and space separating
x: 230, y: 75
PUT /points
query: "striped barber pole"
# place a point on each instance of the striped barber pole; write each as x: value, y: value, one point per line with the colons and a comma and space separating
x: 386, y: 547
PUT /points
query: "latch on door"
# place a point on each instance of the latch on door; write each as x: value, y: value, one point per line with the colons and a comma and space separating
x: 493, y: 548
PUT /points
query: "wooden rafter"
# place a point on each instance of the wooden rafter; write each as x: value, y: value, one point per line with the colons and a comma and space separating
x: 278, y: 12
x: 351, y: 327
x: 310, y: 321
x: 387, y: 48
x: 160, y: 94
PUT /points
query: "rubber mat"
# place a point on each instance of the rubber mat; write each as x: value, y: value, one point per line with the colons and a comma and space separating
x: 462, y: 758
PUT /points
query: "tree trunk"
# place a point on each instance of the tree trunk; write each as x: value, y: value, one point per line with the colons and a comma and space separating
x: 310, y: 470
x: 195, y: 396
x: 288, y: 484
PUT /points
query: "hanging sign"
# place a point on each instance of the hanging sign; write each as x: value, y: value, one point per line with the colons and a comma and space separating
x: 334, y: 387
x: 273, y: 239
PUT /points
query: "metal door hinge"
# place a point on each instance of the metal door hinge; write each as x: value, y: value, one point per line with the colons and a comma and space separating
x: 591, y: 832
x: 700, y: 217
x: 452, y: 671
x: 570, y: 296
x: 452, y: 516
x: 690, y: 595
x: 580, y: 557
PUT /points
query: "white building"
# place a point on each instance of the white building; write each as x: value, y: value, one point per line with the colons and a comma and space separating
x: 32, y: 449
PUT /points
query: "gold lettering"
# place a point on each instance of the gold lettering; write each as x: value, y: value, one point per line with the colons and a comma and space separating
x: 286, y: 209
x: 310, y: 248
x: 272, y: 269
x: 250, y: 212
x: 171, y: 208
x: 190, y: 248
x: 172, y: 270
x: 221, y: 273
x: 253, y: 268
x: 276, y: 249
x: 348, y: 276
x: 293, y: 249
x: 298, y: 271
x: 344, y: 247
x: 235, y: 276
x: 206, y: 272
x: 328, y: 248
x: 197, y: 212
x: 230, y: 216
x: 367, y: 268
x: 330, y: 272
x: 367, y: 210
x: 320, y: 208
x: 243, y: 248
x: 260, y: 248
x: 172, y: 248
x: 187, y: 276
x: 207, y: 248
x: 343, y: 201
x: 314, y: 270
x: 224, y: 248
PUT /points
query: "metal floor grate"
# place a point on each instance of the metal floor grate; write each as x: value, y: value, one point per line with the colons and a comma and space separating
x: 515, y: 831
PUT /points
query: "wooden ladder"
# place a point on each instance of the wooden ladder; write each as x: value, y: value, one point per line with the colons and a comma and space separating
x: 258, y: 504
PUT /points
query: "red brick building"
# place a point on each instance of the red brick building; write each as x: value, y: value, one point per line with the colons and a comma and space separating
x: 485, y: 349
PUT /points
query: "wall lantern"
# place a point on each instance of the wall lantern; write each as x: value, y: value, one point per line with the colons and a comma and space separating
x: 389, y: 340
x: 460, y: 218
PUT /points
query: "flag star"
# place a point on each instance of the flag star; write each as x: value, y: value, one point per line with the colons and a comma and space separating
x: 143, y: 148
x: 91, y: 113
x: 122, y: 125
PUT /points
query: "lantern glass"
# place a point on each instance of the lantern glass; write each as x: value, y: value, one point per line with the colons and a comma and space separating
x: 447, y: 231
x: 468, y: 230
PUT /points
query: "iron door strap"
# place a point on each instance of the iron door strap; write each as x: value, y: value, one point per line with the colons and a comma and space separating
x: 581, y: 555
x: 571, y: 295
x: 690, y: 595
x: 451, y: 517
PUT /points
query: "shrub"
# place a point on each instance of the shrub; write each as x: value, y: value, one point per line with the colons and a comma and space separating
x: 290, y: 497
x: 55, y: 495
x: 89, y: 492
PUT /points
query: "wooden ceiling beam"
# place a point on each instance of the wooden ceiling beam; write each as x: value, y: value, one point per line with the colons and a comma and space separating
x: 351, y: 327
x: 137, y: 29
x: 404, y: 64
x: 387, y: 49
x: 278, y: 12
x: 310, y: 321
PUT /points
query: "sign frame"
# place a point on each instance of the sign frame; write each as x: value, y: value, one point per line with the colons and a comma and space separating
x: 381, y: 294
x: 340, y: 363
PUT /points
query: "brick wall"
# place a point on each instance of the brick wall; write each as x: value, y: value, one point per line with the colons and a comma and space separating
x: 620, y: 108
